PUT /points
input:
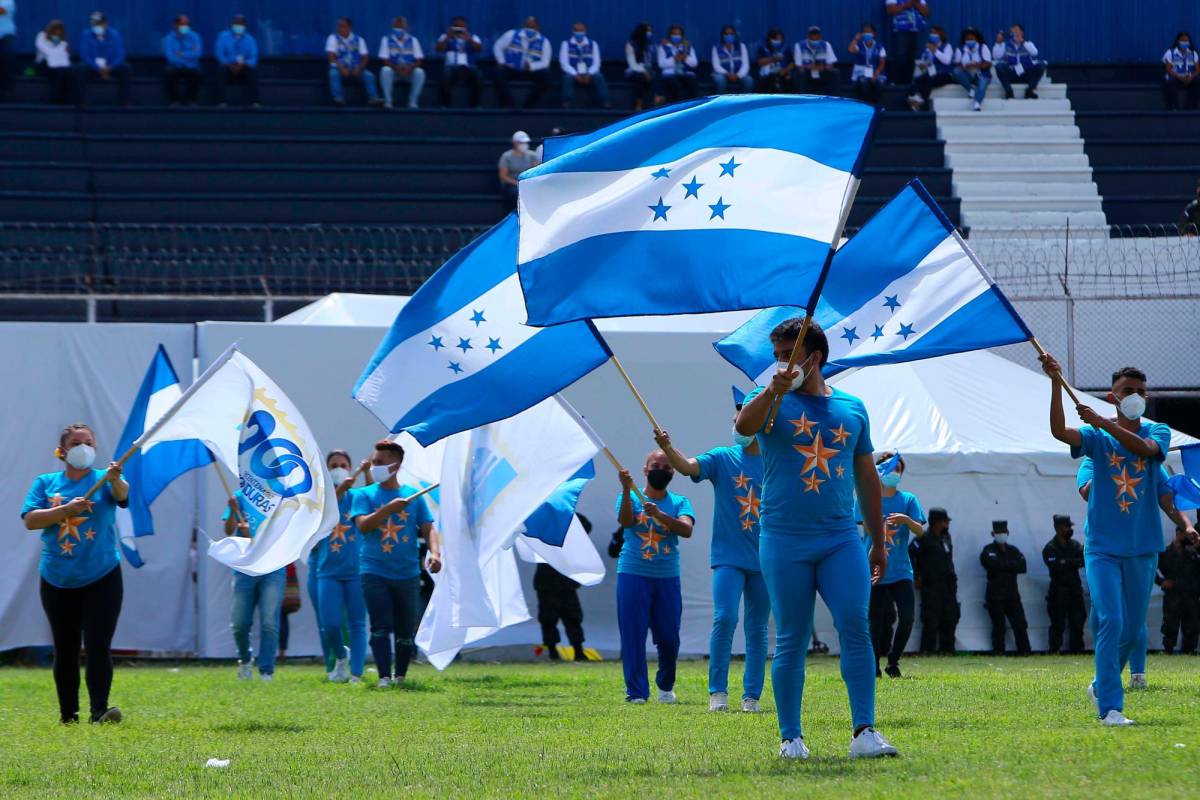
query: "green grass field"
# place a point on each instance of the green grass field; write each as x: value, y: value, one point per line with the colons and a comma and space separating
x: 965, y: 726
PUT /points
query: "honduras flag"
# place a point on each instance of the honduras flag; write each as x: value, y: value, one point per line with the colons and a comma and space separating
x: 150, y: 469
x: 460, y: 355
x: 906, y: 287
x: 552, y: 518
x: 719, y: 204
x: 1186, y: 487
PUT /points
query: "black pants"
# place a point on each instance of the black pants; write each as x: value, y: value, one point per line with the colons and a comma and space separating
x: 61, y: 85
x: 641, y: 88
x: 392, y: 606
x: 538, y: 80
x: 182, y: 84
x: 891, y: 603
x: 121, y: 74
x: 1172, y: 87
x: 679, y: 87
x: 776, y: 83
x: 1007, y: 605
x: 902, y: 54
x: 827, y: 82
x: 1180, y: 609
x: 246, y: 75
x: 939, y: 617
x: 8, y: 65
x: 452, y: 76
x: 1064, y: 606
x: 869, y: 92
x: 923, y: 85
x: 560, y: 604
x: 88, y: 612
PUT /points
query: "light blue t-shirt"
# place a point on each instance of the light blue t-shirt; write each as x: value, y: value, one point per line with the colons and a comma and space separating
x: 736, y: 477
x: 338, y: 554
x: 896, y: 537
x: 1087, y: 471
x: 251, y: 509
x: 808, y: 463
x: 82, y: 549
x: 649, y: 550
x: 1123, y: 515
x: 391, y: 550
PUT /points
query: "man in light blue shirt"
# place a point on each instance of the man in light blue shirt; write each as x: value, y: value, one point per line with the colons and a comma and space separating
x: 8, y: 39
x: 237, y: 59
x: 182, y: 48
x: 102, y: 57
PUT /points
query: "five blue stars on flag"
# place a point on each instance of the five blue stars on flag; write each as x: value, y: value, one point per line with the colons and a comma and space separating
x: 464, y: 342
x: 890, y: 302
x: 692, y: 189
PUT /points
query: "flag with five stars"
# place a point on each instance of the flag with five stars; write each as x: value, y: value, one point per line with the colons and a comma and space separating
x: 1186, y: 486
x: 719, y: 204
x: 459, y: 354
x: 906, y: 287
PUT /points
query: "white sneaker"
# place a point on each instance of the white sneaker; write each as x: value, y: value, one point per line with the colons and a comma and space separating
x: 1138, y: 681
x: 1115, y: 719
x: 245, y: 671
x: 267, y: 677
x: 750, y: 705
x: 977, y: 107
x: 1092, y: 695
x: 341, y: 671
x: 793, y: 748
x: 915, y: 102
x: 354, y: 679
x: 383, y: 683
x: 666, y: 697
x: 870, y: 744
x: 718, y: 701
x: 636, y: 701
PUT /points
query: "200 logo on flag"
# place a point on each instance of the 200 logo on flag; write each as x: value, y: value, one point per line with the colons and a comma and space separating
x: 280, y: 465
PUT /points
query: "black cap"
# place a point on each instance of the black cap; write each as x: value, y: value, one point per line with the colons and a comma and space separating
x: 938, y: 515
x: 1062, y: 519
x: 239, y: 19
x: 999, y: 526
x: 96, y: 17
x: 814, y: 29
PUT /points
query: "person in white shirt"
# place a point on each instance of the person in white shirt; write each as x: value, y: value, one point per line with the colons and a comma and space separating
x: 1182, y: 65
x: 641, y: 65
x: 870, y: 65
x: 1017, y: 61
x: 53, y: 61
x: 523, y: 55
x: 731, y: 63
x: 402, y: 60
x: 677, y: 62
x: 348, y: 57
x: 933, y: 68
x: 459, y: 48
x: 816, y: 65
x: 973, y: 65
x: 579, y: 58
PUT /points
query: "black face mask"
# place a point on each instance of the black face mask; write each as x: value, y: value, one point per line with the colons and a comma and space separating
x: 659, y: 479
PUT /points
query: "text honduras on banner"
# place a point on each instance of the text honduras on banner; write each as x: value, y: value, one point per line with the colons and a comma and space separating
x: 721, y: 204
x: 150, y: 469
x: 906, y: 287
x: 460, y: 355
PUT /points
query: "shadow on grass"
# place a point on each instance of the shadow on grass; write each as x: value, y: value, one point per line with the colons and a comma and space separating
x: 259, y: 727
x: 495, y: 682
x: 417, y: 686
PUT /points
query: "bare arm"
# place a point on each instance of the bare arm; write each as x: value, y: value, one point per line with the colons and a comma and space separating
x: 1132, y: 442
x: 377, y: 518
x: 433, y: 558
x: 1058, y: 419
x: 753, y: 415
x: 625, y: 515
x: 870, y: 502
x: 42, y: 518
x: 1167, y: 503
x: 682, y: 464
x: 681, y: 526
x: 505, y: 177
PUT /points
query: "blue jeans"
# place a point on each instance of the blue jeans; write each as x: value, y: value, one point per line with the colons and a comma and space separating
x: 264, y: 592
x: 795, y: 569
x: 335, y: 84
x: 315, y: 601
x: 393, y: 606
x: 744, y: 84
x: 729, y: 585
x: 653, y: 605
x: 342, y: 598
x: 976, y: 83
x: 598, y: 83
x: 415, y: 79
x: 1120, y: 589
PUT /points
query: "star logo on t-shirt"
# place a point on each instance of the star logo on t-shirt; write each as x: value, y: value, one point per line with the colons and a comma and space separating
x: 840, y: 434
x: 741, y: 481
x: 840, y: 471
x: 402, y: 515
x: 803, y: 425
x: 389, y: 533
x: 1139, y: 465
x: 889, y: 534
x: 70, y: 527
x: 812, y: 483
x: 56, y: 501
x: 1115, y: 460
x: 335, y: 547
x: 387, y: 547
x: 816, y: 455
x: 1124, y: 505
x: 339, y: 533
x: 1126, y: 483
x: 748, y: 524
x: 750, y: 504
x: 404, y: 538
x: 67, y: 547
x: 650, y: 539
x: 647, y: 555
x: 666, y: 550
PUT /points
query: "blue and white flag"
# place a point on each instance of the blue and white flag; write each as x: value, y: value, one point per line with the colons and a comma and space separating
x: 1186, y: 486
x: 460, y: 355
x: 906, y: 287
x: 889, y: 466
x: 552, y: 519
x: 719, y: 204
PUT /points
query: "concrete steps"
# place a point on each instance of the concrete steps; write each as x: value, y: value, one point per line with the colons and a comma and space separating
x: 1019, y: 223
x: 1030, y: 189
x: 1047, y: 90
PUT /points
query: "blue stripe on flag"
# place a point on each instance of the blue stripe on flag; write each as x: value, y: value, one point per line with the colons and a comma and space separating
x: 550, y: 521
x: 749, y: 347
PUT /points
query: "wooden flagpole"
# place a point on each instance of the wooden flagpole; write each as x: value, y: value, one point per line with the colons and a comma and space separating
x: 1058, y: 375
x: 637, y: 395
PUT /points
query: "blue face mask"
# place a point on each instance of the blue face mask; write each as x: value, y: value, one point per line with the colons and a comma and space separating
x: 935, y: 39
x: 238, y: 29
x: 98, y: 30
x: 972, y: 44
x: 55, y: 38
x: 891, y: 480
x: 400, y: 32
x: 868, y: 38
x: 649, y: 36
x: 579, y: 36
x: 676, y: 38
x: 530, y: 32
x: 741, y: 439
x: 184, y: 30
x: 777, y: 43
x: 815, y: 43
x: 1184, y: 45
x: 729, y: 38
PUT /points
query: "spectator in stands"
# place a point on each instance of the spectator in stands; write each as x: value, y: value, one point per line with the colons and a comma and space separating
x: 731, y: 63
x: 1017, y: 61
x: 910, y: 18
x: 677, y: 62
x: 103, y: 58
x: 523, y: 55
x: 512, y: 163
x: 53, y: 62
x: 348, y: 58
x: 8, y: 39
x: 182, y: 47
x: 237, y: 61
x: 774, y: 65
x: 460, y: 48
x: 402, y: 60
x: 641, y: 66
x: 816, y: 65
x: 1189, y: 221
x: 579, y: 58
x: 973, y: 65
x: 1183, y: 66
x: 870, y: 65
x: 934, y: 68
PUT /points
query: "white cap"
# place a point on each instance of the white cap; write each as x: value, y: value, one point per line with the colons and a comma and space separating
x: 520, y: 136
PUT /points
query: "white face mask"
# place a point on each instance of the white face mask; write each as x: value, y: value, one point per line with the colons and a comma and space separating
x: 1000, y: 538
x: 81, y: 456
x: 339, y: 474
x: 741, y: 439
x: 799, y: 380
x: 381, y: 472
x: 520, y: 147
x: 1132, y: 406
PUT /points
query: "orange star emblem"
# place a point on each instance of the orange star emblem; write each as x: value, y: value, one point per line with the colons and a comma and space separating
x: 667, y: 550
x: 813, y: 483
x: 1126, y: 484
x: 1115, y: 460
x: 339, y: 533
x: 840, y: 471
x: 840, y: 434
x: 650, y: 539
x: 750, y: 504
x: 387, y: 547
x: 404, y: 538
x: 90, y: 534
x: 1139, y: 465
x: 816, y: 455
x: 741, y: 481
x: 644, y: 521
x: 67, y: 548
x: 389, y: 531
x: 889, y: 534
x: 335, y: 546
x: 1124, y: 505
x: 647, y: 555
x: 402, y: 515
x: 748, y: 524
x: 56, y: 501
x: 70, y: 527
x: 803, y: 425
